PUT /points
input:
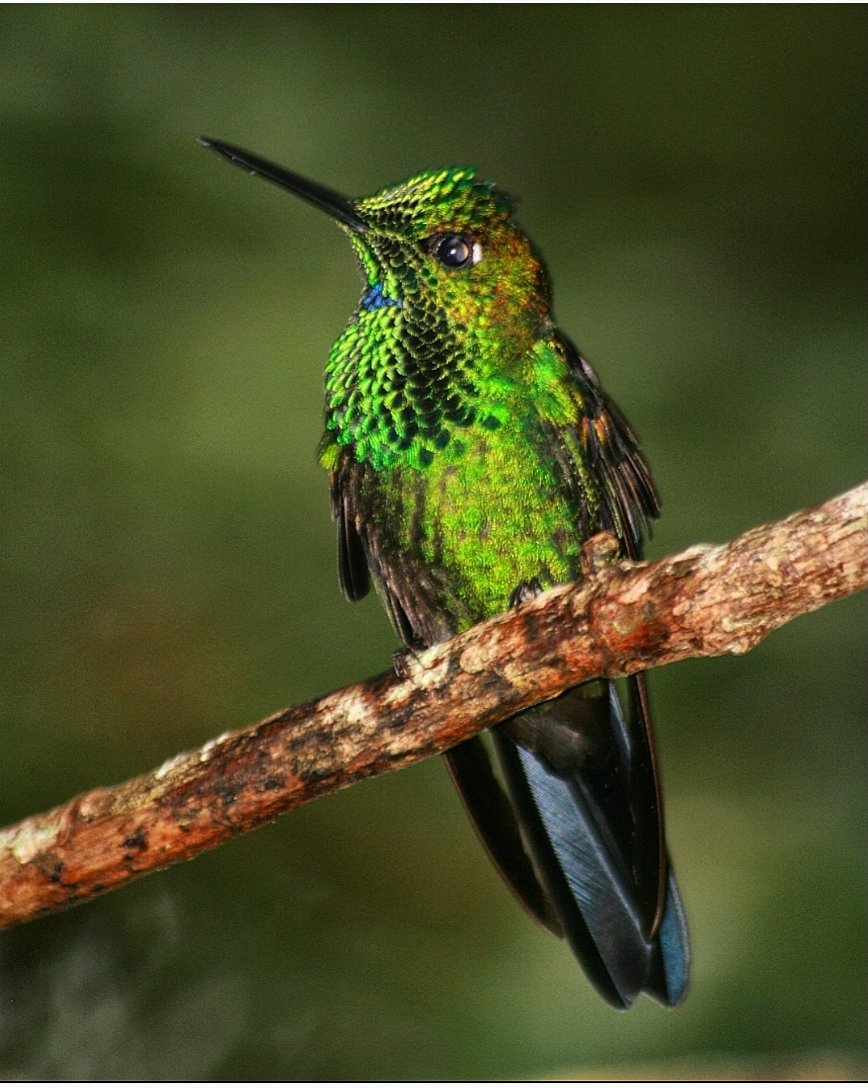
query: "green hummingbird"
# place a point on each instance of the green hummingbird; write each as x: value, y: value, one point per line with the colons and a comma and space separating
x: 471, y: 452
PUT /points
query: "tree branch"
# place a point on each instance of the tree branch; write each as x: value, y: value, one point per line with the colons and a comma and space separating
x: 701, y: 603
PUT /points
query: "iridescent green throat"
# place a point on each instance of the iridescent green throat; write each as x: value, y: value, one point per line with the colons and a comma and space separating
x: 433, y: 349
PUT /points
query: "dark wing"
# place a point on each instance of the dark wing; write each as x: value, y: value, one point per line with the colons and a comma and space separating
x: 352, y: 563
x: 368, y: 553
x: 357, y: 563
x: 628, y: 496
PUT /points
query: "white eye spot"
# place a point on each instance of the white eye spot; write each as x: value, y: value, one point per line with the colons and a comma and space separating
x: 476, y: 253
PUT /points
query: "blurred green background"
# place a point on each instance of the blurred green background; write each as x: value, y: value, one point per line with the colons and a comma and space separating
x: 696, y: 179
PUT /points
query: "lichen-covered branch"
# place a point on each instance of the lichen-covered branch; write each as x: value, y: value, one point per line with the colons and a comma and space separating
x: 703, y: 602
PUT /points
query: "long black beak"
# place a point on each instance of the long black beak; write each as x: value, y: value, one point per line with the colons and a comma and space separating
x: 337, y: 205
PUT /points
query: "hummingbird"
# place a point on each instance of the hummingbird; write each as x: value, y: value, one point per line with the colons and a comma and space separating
x: 471, y: 452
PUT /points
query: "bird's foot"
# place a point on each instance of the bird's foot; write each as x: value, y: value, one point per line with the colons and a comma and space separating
x: 404, y: 662
x: 524, y: 592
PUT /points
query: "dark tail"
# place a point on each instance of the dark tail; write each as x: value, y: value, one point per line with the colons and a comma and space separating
x: 583, y: 791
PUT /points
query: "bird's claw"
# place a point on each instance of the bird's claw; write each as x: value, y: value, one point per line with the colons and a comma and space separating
x: 524, y: 592
x: 404, y: 661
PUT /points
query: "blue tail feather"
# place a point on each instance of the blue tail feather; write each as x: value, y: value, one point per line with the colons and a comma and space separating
x: 589, y: 889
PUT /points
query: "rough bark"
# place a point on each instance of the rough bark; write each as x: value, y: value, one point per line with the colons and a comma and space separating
x: 619, y: 619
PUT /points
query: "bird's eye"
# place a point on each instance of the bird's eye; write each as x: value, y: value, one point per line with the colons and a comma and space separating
x: 455, y: 250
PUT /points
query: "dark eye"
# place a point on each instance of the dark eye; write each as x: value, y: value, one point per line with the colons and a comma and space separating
x: 455, y: 250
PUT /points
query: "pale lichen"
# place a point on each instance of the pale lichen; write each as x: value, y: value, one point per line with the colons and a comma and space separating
x: 29, y: 838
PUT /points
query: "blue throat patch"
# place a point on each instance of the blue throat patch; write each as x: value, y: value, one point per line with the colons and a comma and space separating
x: 374, y: 299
